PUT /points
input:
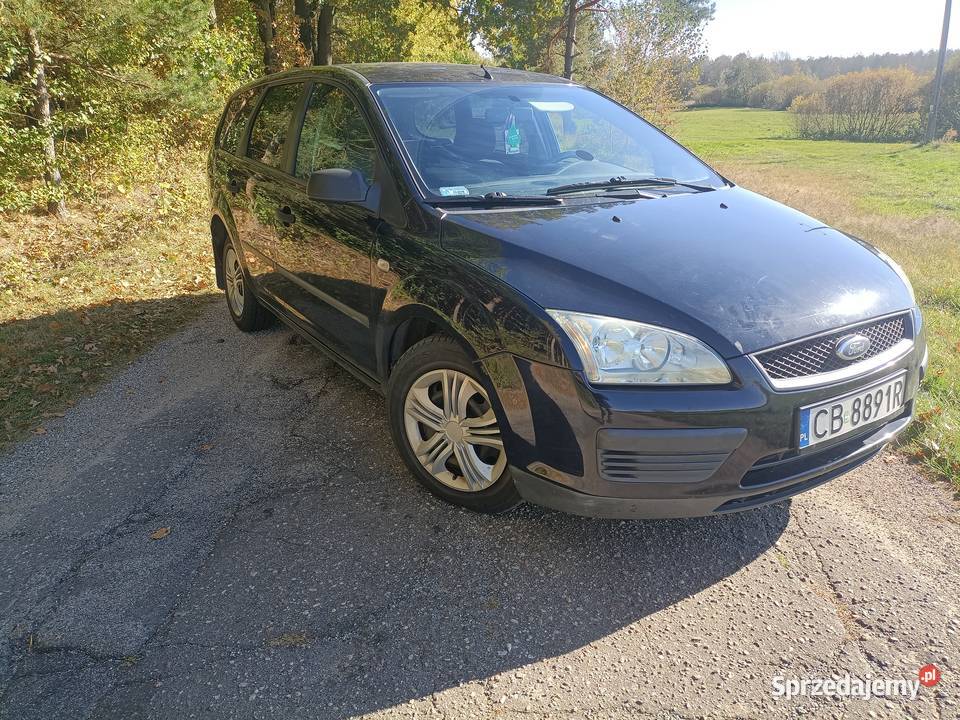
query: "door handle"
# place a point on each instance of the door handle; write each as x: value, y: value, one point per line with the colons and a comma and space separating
x: 285, y: 216
x: 234, y: 185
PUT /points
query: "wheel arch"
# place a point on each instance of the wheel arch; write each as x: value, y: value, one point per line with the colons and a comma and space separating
x: 218, y: 238
x: 414, y: 322
x: 222, y: 229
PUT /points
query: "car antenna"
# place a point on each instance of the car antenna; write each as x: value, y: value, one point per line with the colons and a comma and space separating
x: 486, y: 73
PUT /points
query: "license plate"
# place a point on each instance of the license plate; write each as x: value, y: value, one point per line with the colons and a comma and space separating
x: 839, y: 416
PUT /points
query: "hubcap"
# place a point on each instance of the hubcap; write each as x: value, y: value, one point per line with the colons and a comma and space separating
x: 453, y: 431
x: 234, y: 276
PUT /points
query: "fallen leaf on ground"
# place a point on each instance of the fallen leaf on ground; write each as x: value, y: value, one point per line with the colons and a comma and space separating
x: 288, y: 640
x: 160, y: 533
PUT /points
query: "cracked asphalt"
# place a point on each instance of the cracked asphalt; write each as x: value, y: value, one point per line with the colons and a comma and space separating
x: 306, y: 575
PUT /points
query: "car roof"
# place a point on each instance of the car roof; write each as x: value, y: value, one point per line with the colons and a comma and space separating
x: 412, y: 72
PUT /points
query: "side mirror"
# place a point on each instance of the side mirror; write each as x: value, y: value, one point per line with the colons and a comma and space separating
x: 337, y: 185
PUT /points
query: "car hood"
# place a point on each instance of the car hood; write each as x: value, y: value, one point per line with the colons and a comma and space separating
x: 734, y: 268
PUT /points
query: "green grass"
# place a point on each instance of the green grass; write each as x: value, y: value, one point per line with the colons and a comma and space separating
x: 892, y: 178
x: 902, y: 198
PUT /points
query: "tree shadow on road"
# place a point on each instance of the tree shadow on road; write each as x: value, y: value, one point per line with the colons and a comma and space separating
x: 306, y: 573
x: 343, y: 588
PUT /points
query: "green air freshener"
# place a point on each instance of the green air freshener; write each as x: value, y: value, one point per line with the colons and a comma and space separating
x: 511, y: 137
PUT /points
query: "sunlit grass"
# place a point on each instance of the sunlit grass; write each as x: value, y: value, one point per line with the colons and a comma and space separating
x: 886, y: 178
x: 82, y: 297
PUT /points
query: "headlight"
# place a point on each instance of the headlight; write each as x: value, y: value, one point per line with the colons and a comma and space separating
x: 622, y: 351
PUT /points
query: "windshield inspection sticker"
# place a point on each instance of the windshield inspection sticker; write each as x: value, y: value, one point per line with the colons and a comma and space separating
x: 454, y: 190
x: 511, y: 136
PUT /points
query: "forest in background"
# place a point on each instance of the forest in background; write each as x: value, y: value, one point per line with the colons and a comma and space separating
x: 95, y: 95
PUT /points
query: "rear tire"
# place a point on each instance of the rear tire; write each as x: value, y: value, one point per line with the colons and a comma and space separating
x: 446, y: 429
x: 246, y: 311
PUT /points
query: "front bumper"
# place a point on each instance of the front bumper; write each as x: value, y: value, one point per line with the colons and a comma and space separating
x: 676, y: 452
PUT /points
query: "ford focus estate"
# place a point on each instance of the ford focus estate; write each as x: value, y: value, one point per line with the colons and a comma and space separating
x: 559, y: 302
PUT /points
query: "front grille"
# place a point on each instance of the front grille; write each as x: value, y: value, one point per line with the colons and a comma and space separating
x: 818, y: 355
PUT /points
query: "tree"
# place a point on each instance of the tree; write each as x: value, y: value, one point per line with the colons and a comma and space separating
x: 519, y: 33
x: 82, y: 78
x: 372, y: 31
x: 949, y: 117
x: 574, y: 9
x: 741, y: 76
x: 266, y: 12
x: 653, y: 51
x: 779, y: 93
x: 325, y: 20
x: 41, y: 115
x: 316, y: 29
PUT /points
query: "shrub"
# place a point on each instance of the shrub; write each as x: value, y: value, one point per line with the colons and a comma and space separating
x: 779, y: 93
x: 872, y: 105
x: 706, y: 95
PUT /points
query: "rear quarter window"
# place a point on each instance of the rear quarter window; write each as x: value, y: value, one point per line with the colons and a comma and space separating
x: 235, y: 120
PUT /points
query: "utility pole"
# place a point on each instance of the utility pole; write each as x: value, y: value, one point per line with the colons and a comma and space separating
x: 938, y: 80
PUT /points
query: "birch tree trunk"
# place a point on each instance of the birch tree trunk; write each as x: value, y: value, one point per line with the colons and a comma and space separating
x: 41, y: 114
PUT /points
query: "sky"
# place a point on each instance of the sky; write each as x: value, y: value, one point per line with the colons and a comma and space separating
x: 810, y: 28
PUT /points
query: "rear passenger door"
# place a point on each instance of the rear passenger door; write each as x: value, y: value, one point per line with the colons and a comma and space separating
x: 267, y: 183
x: 230, y: 170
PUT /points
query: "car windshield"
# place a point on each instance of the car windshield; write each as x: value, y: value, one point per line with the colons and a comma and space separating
x: 479, y: 138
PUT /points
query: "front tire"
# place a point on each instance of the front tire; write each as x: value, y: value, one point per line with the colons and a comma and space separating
x: 245, y: 309
x: 446, y: 429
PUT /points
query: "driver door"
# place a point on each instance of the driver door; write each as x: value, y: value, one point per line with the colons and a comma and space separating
x: 325, y: 248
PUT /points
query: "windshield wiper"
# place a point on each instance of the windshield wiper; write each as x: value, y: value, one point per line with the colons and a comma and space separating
x: 620, y: 182
x: 665, y: 182
x: 493, y: 200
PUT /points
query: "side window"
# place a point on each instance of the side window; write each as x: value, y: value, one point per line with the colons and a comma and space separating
x: 235, y: 120
x: 269, y: 131
x: 334, y: 135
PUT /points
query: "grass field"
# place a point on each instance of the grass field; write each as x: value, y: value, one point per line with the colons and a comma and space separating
x: 902, y: 198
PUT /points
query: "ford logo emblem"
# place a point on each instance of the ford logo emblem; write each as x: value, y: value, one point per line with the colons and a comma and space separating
x: 852, y: 347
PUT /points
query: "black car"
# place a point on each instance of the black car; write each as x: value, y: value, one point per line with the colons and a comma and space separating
x: 560, y: 303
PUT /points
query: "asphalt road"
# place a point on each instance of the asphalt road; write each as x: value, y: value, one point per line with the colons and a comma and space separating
x: 305, y: 574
